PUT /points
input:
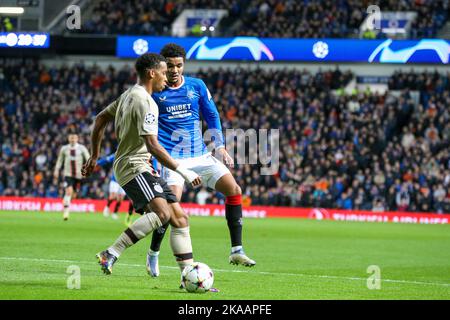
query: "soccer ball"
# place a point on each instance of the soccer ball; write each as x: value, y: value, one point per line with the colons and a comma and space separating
x: 197, y: 277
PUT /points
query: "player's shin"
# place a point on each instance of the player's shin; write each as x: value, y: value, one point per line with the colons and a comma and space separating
x: 180, y: 242
x: 233, y: 214
x: 138, y: 230
x: 157, y: 238
x: 117, y: 206
x: 115, y: 215
x: 130, y: 208
x: 66, y: 204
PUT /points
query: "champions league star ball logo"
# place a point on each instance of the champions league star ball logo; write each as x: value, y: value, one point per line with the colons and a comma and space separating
x: 158, y: 187
x: 149, y: 118
x: 320, y: 49
x: 140, y: 46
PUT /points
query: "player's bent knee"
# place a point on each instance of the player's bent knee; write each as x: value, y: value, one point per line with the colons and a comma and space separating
x: 160, y: 207
x: 228, y: 186
x: 237, y: 189
x: 68, y: 192
x: 179, y: 218
x: 179, y: 222
x: 164, y: 217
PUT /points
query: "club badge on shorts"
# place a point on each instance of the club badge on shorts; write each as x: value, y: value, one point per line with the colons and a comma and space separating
x: 158, y: 188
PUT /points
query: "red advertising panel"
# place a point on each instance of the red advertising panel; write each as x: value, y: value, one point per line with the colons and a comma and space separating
x: 87, y: 205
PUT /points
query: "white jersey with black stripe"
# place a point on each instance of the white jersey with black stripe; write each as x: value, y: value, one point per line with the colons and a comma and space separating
x: 72, y: 157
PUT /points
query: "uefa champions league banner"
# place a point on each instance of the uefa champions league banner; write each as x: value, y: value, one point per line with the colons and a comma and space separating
x: 309, y: 50
x: 96, y: 206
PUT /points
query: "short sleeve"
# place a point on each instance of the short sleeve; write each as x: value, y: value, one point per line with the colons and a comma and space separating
x: 112, y: 108
x: 147, y: 117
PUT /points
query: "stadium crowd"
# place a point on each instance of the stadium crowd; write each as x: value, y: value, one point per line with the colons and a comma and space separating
x: 263, y: 18
x: 361, y: 151
x: 334, y: 19
x: 150, y: 17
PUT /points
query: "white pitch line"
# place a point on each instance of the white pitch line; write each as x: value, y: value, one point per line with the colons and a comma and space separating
x: 241, y: 271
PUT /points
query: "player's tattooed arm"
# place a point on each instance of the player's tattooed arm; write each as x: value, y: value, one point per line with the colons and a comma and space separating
x: 101, y: 121
x: 153, y: 146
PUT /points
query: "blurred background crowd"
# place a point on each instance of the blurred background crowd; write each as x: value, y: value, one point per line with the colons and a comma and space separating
x: 263, y: 18
x: 362, y: 150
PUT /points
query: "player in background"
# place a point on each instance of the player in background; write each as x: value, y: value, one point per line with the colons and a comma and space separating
x: 116, y: 193
x: 135, y: 117
x: 72, y: 156
x: 181, y: 104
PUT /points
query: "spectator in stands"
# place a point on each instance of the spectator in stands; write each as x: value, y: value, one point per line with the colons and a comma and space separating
x: 202, y: 196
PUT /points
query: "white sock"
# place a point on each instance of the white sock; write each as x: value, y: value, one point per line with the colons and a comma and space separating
x: 235, y: 249
x: 138, y: 230
x: 66, y: 203
x: 145, y: 225
x: 180, y: 242
x: 113, y: 252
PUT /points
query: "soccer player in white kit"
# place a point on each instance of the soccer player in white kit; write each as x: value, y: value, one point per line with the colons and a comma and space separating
x: 135, y: 117
x: 72, y: 156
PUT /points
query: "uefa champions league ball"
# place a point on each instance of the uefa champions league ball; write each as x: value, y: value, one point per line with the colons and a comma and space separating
x: 197, y: 278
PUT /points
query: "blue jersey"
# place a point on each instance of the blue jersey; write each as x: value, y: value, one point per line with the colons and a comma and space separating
x: 180, y: 109
x: 107, y: 160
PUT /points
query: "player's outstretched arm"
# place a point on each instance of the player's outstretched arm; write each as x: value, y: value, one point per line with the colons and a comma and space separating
x: 101, y: 121
x: 153, y: 146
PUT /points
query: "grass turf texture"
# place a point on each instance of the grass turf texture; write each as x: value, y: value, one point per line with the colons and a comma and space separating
x: 296, y: 259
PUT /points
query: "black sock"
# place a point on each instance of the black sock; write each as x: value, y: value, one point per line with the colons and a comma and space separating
x: 109, y: 202
x: 116, y: 209
x: 158, y: 236
x: 233, y: 214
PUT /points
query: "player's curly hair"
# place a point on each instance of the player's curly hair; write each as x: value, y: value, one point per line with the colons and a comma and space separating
x: 148, y: 61
x: 173, y: 50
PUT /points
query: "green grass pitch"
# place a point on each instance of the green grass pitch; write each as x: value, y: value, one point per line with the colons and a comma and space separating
x: 296, y: 259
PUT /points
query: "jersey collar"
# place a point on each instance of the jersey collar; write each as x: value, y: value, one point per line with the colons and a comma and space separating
x: 175, y: 88
x: 137, y: 85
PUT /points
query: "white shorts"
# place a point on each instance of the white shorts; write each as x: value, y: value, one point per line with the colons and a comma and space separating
x: 114, y: 187
x: 207, y: 167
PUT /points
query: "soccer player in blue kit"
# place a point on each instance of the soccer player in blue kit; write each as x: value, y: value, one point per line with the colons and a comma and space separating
x: 180, y: 105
